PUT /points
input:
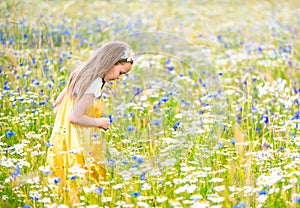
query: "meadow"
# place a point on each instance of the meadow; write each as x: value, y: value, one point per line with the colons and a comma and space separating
x: 208, y: 116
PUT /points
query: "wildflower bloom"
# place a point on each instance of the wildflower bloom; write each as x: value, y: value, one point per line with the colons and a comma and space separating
x: 10, y: 134
x: 130, y: 128
x: 135, y: 194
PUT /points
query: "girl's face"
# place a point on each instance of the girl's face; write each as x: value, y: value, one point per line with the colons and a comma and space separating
x: 116, y: 71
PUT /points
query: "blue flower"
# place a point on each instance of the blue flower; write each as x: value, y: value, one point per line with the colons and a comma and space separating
x: 219, y: 145
x: 143, y: 176
x: 233, y: 141
x: 16, y: 172
x: 10, y: 134
x: 27, y: 206
x: 138, y: 159
x: 111, y: 118
x: 135, y: 194
x: 57, y: 180
x: 48, y: 144
x: 168, y: 61
x: 99, y: 190
x: 47, y: 172
x: 95, y: 135
x: 297, y: 200
x: 170, y: 68
x: 130, y: 128
x: 164, y: 99
x: 156, y: 122
x: 239, y: 118
x: 241, y: 204
x: 266, y: 119
x: 296, y: 115
x: 177, y: 124
x: 131, y: 114
x: 111, y: 162
x: 257, y: 130
x: 35, y: 198
x: 263, y: 192
x: 42, y: 103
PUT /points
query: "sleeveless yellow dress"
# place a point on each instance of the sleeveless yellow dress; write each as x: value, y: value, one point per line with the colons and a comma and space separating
x: 77, y: 151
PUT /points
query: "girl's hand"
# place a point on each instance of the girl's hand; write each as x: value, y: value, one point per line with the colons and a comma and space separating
x: 103, y: 123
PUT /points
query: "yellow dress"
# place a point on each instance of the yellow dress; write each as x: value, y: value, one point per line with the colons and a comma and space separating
x: 77, y: 151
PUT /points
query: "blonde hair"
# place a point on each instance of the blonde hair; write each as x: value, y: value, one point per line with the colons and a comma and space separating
x: 97, y: 65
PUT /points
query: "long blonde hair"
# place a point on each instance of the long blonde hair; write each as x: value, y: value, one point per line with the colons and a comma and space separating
x: 97, y: 65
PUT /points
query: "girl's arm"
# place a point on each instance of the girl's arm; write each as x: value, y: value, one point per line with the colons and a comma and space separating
x: 78, y: 116
x: 59, y: 99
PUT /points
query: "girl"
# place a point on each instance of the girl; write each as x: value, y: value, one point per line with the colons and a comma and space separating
x: 76, y: 147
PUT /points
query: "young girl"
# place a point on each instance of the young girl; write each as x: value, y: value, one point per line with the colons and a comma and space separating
x: 76, y: 147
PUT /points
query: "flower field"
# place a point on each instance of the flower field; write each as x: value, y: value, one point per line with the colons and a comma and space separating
x: 208, y: 116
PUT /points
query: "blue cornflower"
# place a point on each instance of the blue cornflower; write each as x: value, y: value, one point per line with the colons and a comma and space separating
x: 42, y: 103
x: 164, y: 99
x: 219, y: 145
x: 266, y: 119
x: 48, y: 144
x: 253, y: 108
x: 170, y: 68
x: 35, y: 198
x: 263, y: 192
x: 96, y: 135
x: 27, y: 206
x: 156, y: 122
x: 135, y: 194
x: 138, y: 159
x: 297, y: 200
x: 138, y: 91
x: 134, y: 166
x: 111, y: 161
x: 10, y: 134
x: 143, y: 176
x: 233, y: 141
x: 16, y: 172
x: 168, y: 61
x: 175, y: 127
x: 130, y: 128
x: 131, y: 114
x: 296, y: 115
x: 257, y: 130
x: 57, y: 180
x: 111, y: 118
x: 99, y: 190
x: 239, y: 118
x: 47, y: 172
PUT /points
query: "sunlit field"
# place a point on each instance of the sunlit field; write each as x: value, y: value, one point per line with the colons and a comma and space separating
x: 208, y: 116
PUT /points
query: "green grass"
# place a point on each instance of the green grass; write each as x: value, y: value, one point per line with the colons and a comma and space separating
x: 237, y: 143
